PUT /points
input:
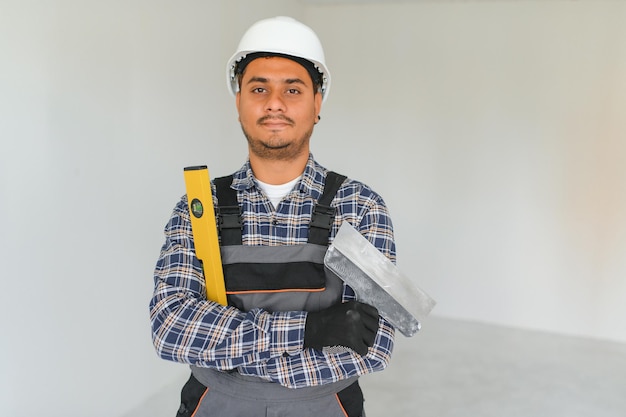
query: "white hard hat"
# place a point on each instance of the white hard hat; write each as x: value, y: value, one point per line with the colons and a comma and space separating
x: 283, y: 36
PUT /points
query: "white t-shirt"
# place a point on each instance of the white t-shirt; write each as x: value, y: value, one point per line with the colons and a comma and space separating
x: 275, y: 193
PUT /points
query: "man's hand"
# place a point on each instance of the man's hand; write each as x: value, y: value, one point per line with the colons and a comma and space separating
x: 352, y: 325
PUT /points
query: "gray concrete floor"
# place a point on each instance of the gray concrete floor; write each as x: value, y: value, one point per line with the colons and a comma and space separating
x: 453, y: 368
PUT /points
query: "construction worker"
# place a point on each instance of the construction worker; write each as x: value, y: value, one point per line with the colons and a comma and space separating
x: 292, y: 340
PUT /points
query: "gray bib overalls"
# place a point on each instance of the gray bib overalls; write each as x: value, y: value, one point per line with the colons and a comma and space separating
x: 275, y: 278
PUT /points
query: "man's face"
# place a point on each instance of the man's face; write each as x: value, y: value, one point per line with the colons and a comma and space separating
x: 278, y: 107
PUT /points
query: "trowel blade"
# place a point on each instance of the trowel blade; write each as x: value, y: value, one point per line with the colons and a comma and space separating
x: 377, y: 281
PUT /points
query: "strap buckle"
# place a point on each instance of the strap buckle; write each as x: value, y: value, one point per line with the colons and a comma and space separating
x: 322, y: 217
x: 229, y: 217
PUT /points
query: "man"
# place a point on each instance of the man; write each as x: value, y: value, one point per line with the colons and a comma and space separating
x: 292, y: 340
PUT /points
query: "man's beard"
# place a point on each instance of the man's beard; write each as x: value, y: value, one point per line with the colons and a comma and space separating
x: 278, y: 150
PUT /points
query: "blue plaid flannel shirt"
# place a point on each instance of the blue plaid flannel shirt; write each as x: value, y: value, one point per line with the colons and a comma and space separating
x: 187, y: 328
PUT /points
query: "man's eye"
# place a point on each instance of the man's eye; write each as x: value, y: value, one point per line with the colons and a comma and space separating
x: 293, y: 91
x: 258, y: 90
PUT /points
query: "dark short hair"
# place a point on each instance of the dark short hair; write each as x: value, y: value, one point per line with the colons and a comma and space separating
x: 316, y: 76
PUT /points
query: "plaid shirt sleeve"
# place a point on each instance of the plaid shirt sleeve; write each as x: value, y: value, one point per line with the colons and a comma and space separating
x: 187, y: 328
x: 364, y: 209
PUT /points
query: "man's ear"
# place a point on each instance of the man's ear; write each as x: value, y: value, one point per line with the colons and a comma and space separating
x: 318, y: 103
x: 237, y: 96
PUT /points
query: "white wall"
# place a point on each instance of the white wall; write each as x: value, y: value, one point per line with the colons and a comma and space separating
x: 493, y: 130
x: 496, y: 132
x: 102, y: 103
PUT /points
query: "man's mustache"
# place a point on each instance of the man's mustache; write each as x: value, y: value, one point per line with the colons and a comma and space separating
x: 279, y: 117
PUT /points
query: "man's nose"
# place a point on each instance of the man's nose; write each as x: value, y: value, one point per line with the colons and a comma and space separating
x: 275, y: 102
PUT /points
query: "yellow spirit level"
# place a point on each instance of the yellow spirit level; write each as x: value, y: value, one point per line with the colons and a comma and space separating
x: 202, y: 215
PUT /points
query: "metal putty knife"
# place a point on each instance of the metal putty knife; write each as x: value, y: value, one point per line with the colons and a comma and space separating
x: 377, y: 281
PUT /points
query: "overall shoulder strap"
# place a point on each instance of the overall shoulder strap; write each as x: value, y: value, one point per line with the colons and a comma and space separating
x: 229, y: 214
x: 323, y: 214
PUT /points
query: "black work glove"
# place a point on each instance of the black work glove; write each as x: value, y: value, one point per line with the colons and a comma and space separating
x: 352, y: 325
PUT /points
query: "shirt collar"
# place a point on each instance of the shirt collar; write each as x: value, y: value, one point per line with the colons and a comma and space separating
x: 311, y: 183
